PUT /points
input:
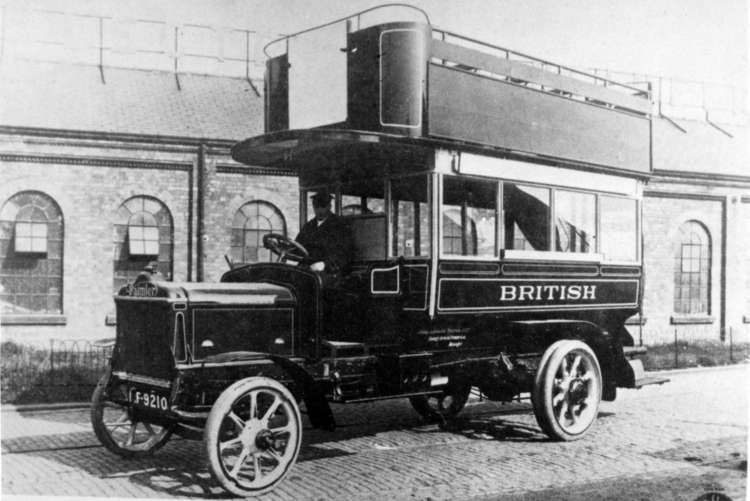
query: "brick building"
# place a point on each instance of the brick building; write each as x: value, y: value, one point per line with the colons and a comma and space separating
x: 108, y: 165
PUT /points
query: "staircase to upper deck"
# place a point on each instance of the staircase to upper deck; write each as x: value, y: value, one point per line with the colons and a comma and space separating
x: 407, y: 79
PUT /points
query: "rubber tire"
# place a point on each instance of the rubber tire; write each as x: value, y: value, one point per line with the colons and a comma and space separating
x: 541, y: 398
x: 421, y: 404
x: 214, y: 422
x: 101, y: 432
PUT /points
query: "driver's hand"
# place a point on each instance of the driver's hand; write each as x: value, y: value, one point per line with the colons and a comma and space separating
x: 318, y: 266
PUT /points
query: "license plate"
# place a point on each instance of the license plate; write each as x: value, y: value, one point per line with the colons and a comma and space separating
x: 149, y: 399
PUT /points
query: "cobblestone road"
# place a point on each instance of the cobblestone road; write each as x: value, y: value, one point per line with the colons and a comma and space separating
x: 675, y: 441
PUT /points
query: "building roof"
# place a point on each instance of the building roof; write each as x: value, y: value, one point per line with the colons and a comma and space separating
x: 73, y: 97
x: 699, y: 146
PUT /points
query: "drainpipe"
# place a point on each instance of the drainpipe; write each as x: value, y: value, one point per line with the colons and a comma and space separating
x: 723, y: 296
x: 200, y: 211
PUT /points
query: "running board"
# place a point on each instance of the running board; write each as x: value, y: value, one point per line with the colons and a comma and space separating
x: 640, y: 378
x: 645, y: 381
x: 633, y: 351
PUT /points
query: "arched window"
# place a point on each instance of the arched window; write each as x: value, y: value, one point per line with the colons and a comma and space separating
x: 692, y: 275
x: 31, y: 255
x: 250, y: 223
x: 142, y: 234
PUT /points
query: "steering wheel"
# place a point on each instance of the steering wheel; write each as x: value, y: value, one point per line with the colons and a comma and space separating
x: 284, y: 247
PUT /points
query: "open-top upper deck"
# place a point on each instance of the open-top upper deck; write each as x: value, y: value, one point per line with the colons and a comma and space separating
x: 406, y: 84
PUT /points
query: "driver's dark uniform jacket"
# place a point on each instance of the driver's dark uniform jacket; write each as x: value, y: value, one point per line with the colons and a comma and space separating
x: 331, y: 242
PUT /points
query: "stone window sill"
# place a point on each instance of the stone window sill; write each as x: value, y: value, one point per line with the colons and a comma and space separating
x: 33, y: 320
x: 691, y: 319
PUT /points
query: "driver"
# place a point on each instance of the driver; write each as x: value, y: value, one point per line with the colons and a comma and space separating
x: 327, y: 239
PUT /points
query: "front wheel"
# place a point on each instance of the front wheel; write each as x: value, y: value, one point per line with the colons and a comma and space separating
x: 567, y: 390
x: 120, y: 431
x: 253, y: 436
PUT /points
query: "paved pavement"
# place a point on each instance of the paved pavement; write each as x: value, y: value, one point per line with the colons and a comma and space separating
x: 675, y: 441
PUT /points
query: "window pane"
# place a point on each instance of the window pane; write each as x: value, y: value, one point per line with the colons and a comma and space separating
x: 575, y: 221
x: 469, y: 221
x: 364, y: 197
x: 619, y: 227
x: 527, y: 217
x: 410, y: 216
x: 151, y: 247
x: 151, y: 233
x: 23, y: 229
x: 250, y: 223
x: 30, y: 280
x: 363, y: 204
x: 143, y: 240
x: 39, y: 245
x: 135, y: 247
x: 39, y: 230
x: 692, y: 265
x: 23, y: 244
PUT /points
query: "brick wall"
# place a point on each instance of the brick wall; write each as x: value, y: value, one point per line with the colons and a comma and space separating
x: 89, y: 196
x: 226, y: 193
x: 662, y: 216
x: 89, y: 182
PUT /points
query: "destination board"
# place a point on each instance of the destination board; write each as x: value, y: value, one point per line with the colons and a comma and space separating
x: 460, y: 294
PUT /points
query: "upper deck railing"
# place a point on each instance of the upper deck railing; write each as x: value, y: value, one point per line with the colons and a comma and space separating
x: 641, y: 89
x: 353, y: 22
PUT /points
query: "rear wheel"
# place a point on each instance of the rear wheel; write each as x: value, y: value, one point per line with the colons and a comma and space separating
x: 120, y: 431
x: 567, y: 390
x: 442, y: 406
x: 253, y: 436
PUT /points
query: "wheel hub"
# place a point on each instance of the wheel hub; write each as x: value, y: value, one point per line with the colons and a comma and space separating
x: 251, y: 433
x: 264, y: 440
x: 577, y: 392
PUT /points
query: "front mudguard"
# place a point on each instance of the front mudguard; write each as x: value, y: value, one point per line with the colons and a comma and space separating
x: 318, y: 410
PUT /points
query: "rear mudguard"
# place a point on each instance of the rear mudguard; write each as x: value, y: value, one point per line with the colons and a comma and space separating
x: 318, y: 410
x: 608, y: 349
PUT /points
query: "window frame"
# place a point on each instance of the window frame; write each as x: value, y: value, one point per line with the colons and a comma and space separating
x: 499, y: 231
x: 543, y: 255
x: 122, y: 272
x: 597, y: 216
x: 244, y: 230
x: 142, y: 240
x: 678, y: 271
x: 429, y: 178
x: 550, y: 232
x: 638, y: 229
x: 31, y: 237
x: 46, y: 285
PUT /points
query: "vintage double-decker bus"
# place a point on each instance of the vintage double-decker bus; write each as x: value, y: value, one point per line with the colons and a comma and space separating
x: 493, y: 200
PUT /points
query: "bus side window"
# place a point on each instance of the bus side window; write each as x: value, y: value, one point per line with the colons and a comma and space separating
x: 575, y: 221
x: 410, y: 217
x: 469, y: 217
x: 619, y: 224
x: 527, y: 217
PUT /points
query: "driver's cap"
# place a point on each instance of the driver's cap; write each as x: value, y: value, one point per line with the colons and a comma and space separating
x: 321, y: 198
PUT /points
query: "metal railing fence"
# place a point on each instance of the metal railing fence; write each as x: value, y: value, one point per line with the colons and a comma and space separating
x: 66, y: 371
x: 693, y: 345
